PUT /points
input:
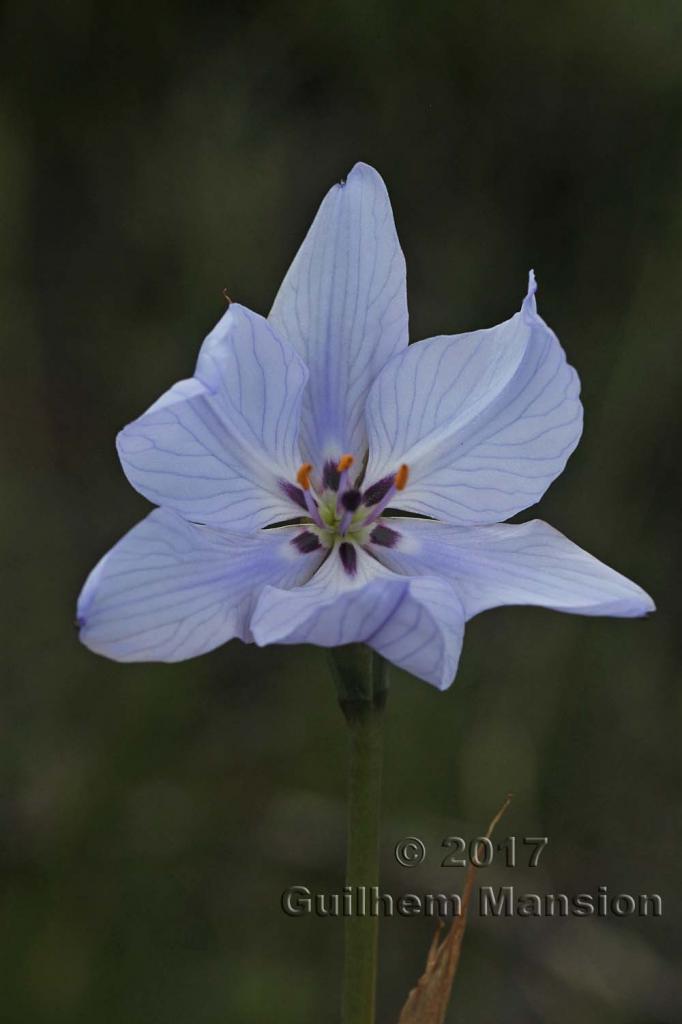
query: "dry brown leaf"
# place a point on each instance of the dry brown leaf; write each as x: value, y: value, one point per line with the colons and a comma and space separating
x: 427, y: 1003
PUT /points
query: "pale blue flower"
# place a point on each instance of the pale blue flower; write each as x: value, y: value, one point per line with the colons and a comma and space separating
x: 322, y: 418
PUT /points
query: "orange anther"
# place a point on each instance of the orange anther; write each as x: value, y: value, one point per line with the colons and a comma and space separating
x: 401, y: 477
x: 303, y: 475
x: 345, y: 462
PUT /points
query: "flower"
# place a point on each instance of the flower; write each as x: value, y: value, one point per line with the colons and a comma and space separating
x: 283, y: 468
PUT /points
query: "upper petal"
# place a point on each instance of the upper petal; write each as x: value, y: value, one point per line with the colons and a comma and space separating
x: 531, y: 563
x: 169, y: 590
x: 216, y: 446
x: 343, y: 305
x: 485, y: 421
x: 417, y: 624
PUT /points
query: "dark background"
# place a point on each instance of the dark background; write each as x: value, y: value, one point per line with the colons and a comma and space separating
x: 152, y: 154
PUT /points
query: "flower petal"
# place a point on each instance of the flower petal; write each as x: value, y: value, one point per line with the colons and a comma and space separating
x: 169, y: 590
x: 417, y: 624
x: 216, y: 446
x: 506, y: 564
x: 485, y: 421
x: 343, y: 306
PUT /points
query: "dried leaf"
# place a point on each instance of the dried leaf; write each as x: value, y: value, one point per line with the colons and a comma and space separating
x: 427, y: 1003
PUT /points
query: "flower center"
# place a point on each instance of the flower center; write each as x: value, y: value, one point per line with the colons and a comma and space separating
x: 339, y: 513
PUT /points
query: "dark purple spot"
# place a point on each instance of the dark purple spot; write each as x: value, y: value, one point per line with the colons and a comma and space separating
x: 306, y: 542
x: 331, y: 475
x: 351, y: 500
x: 376, y: 492
x: 385, y: 536
x: 349, y: 558
x: 294, y: 493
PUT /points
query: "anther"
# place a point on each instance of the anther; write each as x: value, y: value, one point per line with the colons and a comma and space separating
x: 401, y: 477
x: 344, y: 463
x: 303, y: 475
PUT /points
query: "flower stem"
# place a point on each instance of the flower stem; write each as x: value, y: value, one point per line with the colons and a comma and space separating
x: 361, y: 679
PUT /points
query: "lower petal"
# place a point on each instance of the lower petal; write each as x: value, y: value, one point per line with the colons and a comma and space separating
x: 417, y: 624
x: 170, y: 590
x: 531, y: 564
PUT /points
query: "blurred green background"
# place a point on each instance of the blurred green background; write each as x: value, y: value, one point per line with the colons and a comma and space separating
x: 152, y: 155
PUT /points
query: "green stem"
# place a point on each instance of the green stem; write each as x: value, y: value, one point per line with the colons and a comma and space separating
x: 361, y: 678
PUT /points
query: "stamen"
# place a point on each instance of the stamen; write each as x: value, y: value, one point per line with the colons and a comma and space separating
x: 313, y: 510
x: 401, y: 477
x: 309, y: 503
x: 379, y: 494
x: 343, y: 465
x: 294, y: 493
x: 303, y: 475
